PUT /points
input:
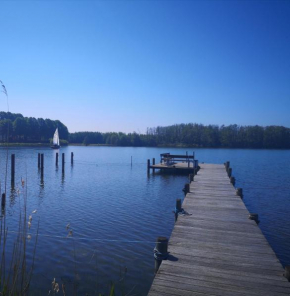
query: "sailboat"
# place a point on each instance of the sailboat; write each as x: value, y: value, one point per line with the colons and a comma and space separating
x: 55, y: 141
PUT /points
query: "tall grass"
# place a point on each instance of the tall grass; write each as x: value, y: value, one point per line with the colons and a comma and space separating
x: 15, y: 274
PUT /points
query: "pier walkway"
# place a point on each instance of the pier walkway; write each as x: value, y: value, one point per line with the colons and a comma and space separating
x: 217, y: 249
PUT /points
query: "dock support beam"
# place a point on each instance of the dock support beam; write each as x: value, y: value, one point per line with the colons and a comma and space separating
x: 153, y: 162
x: 230, y: 172
x: 148, y: 166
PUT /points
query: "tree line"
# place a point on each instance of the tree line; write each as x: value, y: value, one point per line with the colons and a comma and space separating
x: 19, y: 129
x: 31, y: 130
x: 194, y: 135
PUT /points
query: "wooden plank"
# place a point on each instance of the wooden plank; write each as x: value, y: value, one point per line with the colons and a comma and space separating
x: 215, y: 249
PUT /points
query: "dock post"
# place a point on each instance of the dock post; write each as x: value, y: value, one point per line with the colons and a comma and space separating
x: 56, y: 159
x: 177, y: 208
x: 227, y: 165
x: 148, y: 166
x: 12, y: 169
x: 62, y: 163
x: 239, y: 192
x: 233, y: 180
x: 72, y: 158
x: 287, y: 272
x: 131, y: 160
x: 160, y: 251
x: 230, y: 172
x: 186, y: 188
x: 254, y: 217
x: 3, y: 201
x: 38, y: 161
x: 191, y: 177
x: 42, y: 164
x: 153, y: 163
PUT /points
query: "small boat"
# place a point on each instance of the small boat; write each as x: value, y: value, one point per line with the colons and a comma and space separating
x: 55, y: 141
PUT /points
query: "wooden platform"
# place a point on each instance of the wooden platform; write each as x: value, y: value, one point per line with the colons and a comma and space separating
x: 183, y: 166
x: 217, y: 250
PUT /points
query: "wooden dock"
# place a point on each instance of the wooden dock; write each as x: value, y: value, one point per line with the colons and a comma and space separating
x: 216, y: 249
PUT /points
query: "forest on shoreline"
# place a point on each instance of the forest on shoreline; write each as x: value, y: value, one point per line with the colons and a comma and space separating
x: 22, y: 129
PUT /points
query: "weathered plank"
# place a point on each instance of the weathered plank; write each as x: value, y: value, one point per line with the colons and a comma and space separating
x: 215, y: 249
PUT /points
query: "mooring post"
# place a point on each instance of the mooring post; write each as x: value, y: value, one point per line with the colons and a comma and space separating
x: 148, y: 166
x: 230, y: 172
x: 186, y: 188
x: 131, y: 160
x: 191, y: 177
x: 38, y: 161
x: 42, y: 164
x: 233, y: 180
x: 254, y: 217
x: 177, y: 208
x: 56, y: 159
x: 153, y: 163
x: 239, y: 192
x: 72, y: 158
x: 287, y: 272
x: 62, y: 163
x: 3, y: 200
x: 227, y: 165
x: 12, y: 168
x: 160, y: 251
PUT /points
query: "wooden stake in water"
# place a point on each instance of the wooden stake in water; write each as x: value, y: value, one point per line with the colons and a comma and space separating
x: 3, y: 201
x: 12, y: 168
x: 72, y: 158
x: 42, y: 165
x: 62, y: 163
x: 38, y: 161
x: 131, y: 160
x: 56, y: 159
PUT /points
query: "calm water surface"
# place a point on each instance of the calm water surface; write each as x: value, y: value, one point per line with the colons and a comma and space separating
x: 115, y: 211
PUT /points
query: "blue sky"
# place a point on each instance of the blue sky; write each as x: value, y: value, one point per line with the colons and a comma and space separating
x: 129, y: 65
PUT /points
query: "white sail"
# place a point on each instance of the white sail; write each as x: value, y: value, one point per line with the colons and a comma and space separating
x: 55, y: 140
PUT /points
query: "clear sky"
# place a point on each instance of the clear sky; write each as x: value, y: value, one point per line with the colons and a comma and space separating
x: 129, y: 65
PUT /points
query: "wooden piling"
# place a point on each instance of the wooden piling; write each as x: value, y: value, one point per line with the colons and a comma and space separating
x: 38, y: 161
x: 254, y: 217
x: 191, y: 177
x: 160, y: 251
x: 42, y: 164
x: 230, y: 172
x: 287, y: 272
x: 239, y: 192
x: 177, y: 208
x: 62, y: 162
x: 131, y: 160
x: 72, y: 158
x: 12, y: 168
x: 227, y: 165
x: 56, y: 159
x: 186, y: 188
x: 148, y: 166
x: 153, y: 162
x: 233, y: 180
x: 3, y: 200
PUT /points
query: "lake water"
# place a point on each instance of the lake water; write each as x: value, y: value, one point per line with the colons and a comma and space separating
x: 116, y: 212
